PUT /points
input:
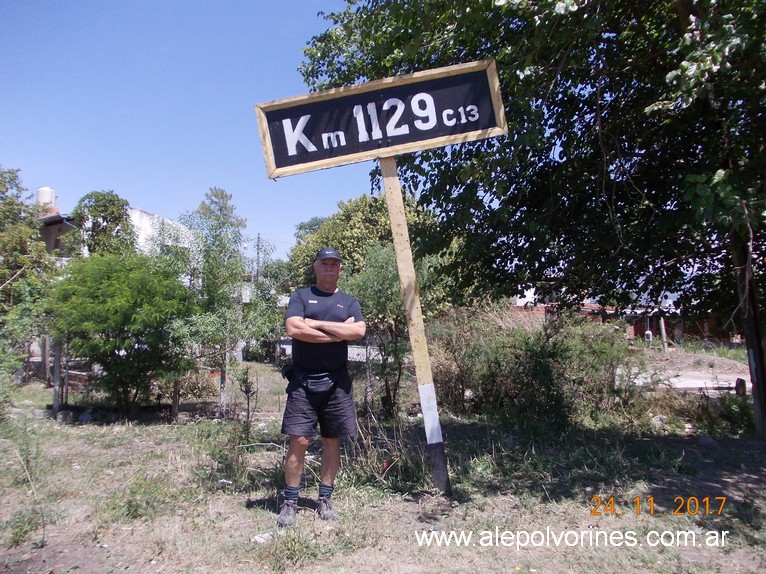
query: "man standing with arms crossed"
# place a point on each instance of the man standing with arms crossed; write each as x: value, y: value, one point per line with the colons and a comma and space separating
x: 321, y: 320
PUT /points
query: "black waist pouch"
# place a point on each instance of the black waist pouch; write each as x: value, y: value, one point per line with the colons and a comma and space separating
x: 318, y: 383
x: 312, y: 382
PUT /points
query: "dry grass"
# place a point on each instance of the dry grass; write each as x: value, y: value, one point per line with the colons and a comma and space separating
x: 190, y: 498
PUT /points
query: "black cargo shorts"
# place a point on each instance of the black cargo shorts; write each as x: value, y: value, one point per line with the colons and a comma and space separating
x: 323, y: 399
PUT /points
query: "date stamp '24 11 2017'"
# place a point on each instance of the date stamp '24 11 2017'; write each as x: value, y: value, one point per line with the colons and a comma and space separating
x: 682, y: 505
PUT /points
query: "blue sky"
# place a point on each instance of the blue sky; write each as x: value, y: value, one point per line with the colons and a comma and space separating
x: 155, y: 101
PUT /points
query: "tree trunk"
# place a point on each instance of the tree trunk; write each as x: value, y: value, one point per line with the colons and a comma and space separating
x: 748, y: 307
x: 56, y: 377
x: 176, y: 400
x: 45, y: 348
x: 222, y: 405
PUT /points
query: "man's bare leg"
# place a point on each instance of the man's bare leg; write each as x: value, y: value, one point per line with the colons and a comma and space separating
x: 296, y: 455
x: 330, y: 460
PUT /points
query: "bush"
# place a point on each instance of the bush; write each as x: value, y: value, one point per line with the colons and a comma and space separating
x: 388, y: 454
x: 114, y: 311
x: 196, y: 384
x: 262, y: 351
x: 536, y: 374
x: 725, y: 415
x: 537, y: 397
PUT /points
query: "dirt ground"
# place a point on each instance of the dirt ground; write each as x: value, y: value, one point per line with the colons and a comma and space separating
x: 95, y: 476
x: 675, y: 362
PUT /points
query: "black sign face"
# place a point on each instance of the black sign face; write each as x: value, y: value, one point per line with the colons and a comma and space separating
x: 381, y: 118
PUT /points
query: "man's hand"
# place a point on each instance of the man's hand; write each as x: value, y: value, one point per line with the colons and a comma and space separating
x: 315, y: 324
x: 315, y: 331
x: 308, y: 330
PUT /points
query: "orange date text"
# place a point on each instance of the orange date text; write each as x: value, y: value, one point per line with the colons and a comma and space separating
x: 682, y: 505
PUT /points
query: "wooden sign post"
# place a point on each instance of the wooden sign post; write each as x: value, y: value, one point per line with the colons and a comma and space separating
x: 378, y: 120
x: 415, y: 324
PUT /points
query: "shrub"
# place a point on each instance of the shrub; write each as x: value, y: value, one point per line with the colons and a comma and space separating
x: 392, y: 455
x: 537, y: 396
x: 536, y: 374
x: 724, y: 415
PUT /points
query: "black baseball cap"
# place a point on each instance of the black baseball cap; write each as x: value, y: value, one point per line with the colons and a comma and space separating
x: 328, y: 253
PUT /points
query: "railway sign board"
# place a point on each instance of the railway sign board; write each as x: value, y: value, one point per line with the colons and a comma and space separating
x: 381, y: 118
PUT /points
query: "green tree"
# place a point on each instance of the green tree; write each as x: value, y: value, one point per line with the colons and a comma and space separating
x: 306, y: 227
x: 25, y: 273
x: 217, y: 271
x: 269, y: 283
x: 104, y: 222
x: 358, y: 224
x: 379, y: 292
x: 635, y: 157
x: 114, y: 311
x: 377, y: 288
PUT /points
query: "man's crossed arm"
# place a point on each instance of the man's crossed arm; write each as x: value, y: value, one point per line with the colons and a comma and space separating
x: 315, y: 331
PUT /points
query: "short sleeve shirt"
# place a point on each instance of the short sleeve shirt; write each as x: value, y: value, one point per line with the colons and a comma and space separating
x: 312, y: 303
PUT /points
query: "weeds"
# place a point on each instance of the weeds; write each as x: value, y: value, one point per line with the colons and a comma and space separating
x: 392, y: 456
x: 503, y: 477
x: 719, y: 416
x: 6, y: 386
x: 143, y: 497
x: 26, y: 521
x: 267, y: 477
x: 229, y: 455
x: 249, y: 388
x: 299, y: 546
x: 37, y: 515
x: 229, y: 462
x: 700, y: 345
x: 27, y: 450
x: 291, y: 551
x: 21, y: 525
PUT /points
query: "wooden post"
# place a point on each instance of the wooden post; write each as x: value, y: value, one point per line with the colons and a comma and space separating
x: 415, y: 324
x: 663, y: 335
x: 56, y: 377
x: 176, y: 400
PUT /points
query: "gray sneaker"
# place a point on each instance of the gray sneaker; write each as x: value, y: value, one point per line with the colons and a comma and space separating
x: 326, y: 511
x: 287, y: 513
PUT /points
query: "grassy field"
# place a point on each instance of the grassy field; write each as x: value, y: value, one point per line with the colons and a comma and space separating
x: 201, y: 496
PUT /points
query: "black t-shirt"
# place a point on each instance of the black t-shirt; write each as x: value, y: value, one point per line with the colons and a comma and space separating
x: 312, y: 303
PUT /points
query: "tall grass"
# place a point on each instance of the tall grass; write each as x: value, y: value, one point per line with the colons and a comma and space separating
x: 692, y: 344
x: 6, y: 384
x: 37, y: 513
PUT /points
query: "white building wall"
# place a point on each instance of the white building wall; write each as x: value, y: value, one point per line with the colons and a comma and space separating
x: 148, y: 225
